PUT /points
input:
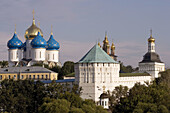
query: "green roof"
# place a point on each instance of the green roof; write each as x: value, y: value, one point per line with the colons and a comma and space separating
x: 97, y: 55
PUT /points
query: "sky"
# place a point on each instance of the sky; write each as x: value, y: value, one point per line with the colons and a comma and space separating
x: 79, y: 24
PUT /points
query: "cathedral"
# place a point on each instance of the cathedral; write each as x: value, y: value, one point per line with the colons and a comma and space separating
x: 34, y: 50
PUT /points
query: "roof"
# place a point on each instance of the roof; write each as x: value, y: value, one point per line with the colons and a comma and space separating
x: 133, y: 74
x: 103, y: 95
x: 58, y: 81
x: 25, y: 69
x: 151, y: 57
x: 97, y: 55
x: 52, y: 44
x: 14, y: 43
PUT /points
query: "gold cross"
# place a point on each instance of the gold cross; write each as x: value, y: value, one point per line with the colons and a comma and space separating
x: 15, y: 28
x: 51, y: 30
x: 150, y: 32
x: 33, y: 13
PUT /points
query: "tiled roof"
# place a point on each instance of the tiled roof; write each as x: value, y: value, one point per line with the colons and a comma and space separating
x: 97, y: 55
x: 25, y: 69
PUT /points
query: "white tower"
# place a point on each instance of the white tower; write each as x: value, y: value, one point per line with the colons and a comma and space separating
x: 95, y: 70
x: 14, y: 51
x: 52, y: 52
x: 151, y: 62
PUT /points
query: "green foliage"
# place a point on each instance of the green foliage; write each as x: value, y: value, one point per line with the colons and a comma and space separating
x: 27, y: 96
x: 76, y: 110
x: 153, y: 98
x: 127, y: 69
x: 55, y: 106
x: 3, y: 64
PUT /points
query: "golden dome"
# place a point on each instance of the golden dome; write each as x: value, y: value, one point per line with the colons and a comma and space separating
x: 105, y: 40
x: 151, y: 39
x: 32, y: 31
x: 112, y: 46
x: 99, y: 44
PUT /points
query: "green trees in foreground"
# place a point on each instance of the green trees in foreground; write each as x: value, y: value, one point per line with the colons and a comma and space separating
x: 153, y: 98
x: 25, y: 96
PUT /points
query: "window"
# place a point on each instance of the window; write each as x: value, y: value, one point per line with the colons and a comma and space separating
x: 17, y: 54
x: 0, y: 77
x: 9, y: 76
x: 46, y: 76
x: 42, y: 76
x: 29, y: 76
x: 38, y: 77
x: 22, y: 76
x: 40, y: 54
x: 14, y: 76
x: 33, y: 76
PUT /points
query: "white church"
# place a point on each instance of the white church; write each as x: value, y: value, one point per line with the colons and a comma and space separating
x: 35, y: 49
x: 98, y: 72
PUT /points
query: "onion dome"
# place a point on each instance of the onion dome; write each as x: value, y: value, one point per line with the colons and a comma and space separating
x: 151, y: 39
x: 14, y: 43
x: 112, y: 46
x: 52, y: 44
x: 32, y: 31
x: 105, y: 40
x: 103, y: 96
x: 38, y: 42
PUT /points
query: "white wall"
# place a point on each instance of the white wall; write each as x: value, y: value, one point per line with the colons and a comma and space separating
x: 38, y: 54
x: 52, y: 55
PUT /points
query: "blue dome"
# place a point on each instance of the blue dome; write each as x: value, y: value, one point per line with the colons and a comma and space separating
x: 38, y: 42
x: 52, y: 44
x: 14, y: 43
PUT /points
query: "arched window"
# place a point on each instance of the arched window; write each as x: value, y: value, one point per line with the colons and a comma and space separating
x: 33, y: 76
x: 9, y: 76
x: 38, y: 77
x: 42, y: 76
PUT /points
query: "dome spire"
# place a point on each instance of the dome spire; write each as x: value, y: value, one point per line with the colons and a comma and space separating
x: 151, y: 32
x: 15, y: 29
x: 51, y: 30
x: 33, y: 13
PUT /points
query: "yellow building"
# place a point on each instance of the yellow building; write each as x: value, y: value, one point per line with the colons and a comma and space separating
x: 32, y: 72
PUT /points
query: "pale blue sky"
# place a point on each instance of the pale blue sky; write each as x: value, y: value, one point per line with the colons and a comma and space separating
x: 77, y: 24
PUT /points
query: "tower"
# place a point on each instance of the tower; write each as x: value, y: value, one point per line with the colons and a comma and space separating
x: 30, y: 34
x: 95, y: 70
x: 151, y: 62
x: 52, y: 52
x: 106, y: 46
x: 14, y: 51
x: 112, y: 54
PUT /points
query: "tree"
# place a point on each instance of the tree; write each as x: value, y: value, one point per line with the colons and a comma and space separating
x: 55, y: 106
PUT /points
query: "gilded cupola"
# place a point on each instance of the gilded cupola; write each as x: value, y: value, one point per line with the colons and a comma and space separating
x: 33, y: 30
x: 151, y: 39
x: 112, y: 46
